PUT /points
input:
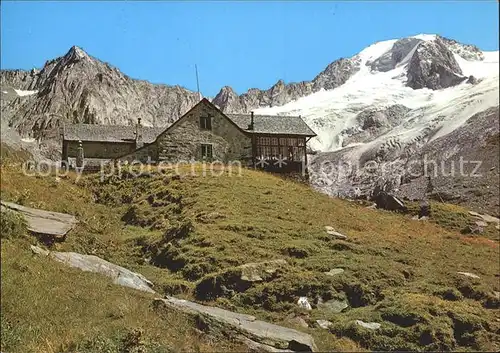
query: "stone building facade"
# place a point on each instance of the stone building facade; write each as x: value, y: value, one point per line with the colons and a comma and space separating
x: 205, y: 133
x: 104, y: 142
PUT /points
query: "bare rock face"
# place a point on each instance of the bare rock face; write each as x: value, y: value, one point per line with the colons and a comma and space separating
x: 336, y: 74
x: 374, y: 122
x: 433, y: 66
x: 229, y: 99
x: 79, y: 88
x: 467, y: 51
x: 279, y: 94
x: 20, y: 79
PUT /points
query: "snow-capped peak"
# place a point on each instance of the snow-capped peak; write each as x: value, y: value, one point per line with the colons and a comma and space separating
x: 425, y: 37
x: 382, y: 81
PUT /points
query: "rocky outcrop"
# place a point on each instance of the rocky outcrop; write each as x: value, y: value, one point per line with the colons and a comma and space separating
x: 244, y: 328
x: 91, y: 263
x: 467, y: 51
x: 80, y: 88
x: 433, y: 66
x: 336, y: 74
x: 374, y: 122
x: 229, y: 99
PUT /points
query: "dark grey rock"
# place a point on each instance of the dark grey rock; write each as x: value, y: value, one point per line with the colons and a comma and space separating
x: 433, y: 66
x: 399, y: 51
x: 472, y: 80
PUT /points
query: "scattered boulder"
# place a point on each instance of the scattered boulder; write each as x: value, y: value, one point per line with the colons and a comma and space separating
x: 303, y: 302
x: 368, y: 325
x: 472, y: 80
x: 481, y: 224
x: 332, y: 231
x: 91, y: 263
x: 425, y: 209
x: 416, y: 218
x: 468, y: 274
x: 256, y: 272
x: 334, y: 271
x: 299, y: 321
x: 472, y: 229
x: 245, y: 328
x: 389, y: 202
x: 333, y: 306
x: 324, y: 324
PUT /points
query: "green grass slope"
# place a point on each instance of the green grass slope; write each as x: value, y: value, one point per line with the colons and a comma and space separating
x: 189, y: 233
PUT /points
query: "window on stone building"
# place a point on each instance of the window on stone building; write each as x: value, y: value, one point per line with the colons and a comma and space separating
x: 206, y: 122
x: 206, y: 151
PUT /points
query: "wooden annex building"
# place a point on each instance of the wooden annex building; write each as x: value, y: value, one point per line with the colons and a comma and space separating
x: 204, y: 133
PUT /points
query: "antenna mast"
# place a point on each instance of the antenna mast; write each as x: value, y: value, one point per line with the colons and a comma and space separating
x: 197, y: 81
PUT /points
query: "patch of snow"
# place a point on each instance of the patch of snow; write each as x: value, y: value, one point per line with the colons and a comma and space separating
x: 479, y: 69
x: 28, y: 139
x: 22, y: 93
x: 426, y: 37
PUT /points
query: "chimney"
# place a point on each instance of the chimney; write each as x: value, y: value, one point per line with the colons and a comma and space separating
x: 138, y: 134
x: 250, y: 127
x: 80, y: 156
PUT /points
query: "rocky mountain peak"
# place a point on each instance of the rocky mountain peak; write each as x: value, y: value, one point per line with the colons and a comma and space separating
x: 76, y: 52
x: 433, y: 66
x: 226, y: 98
x: 74, y: 55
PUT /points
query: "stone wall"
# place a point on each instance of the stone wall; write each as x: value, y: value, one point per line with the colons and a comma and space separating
x: 148, y: 153
x: 184, y: 139
x: 106, y: 150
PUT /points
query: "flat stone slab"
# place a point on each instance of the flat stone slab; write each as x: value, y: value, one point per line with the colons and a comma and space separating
x: 227, y: 322
x: 324, y: 324
x: 468, y: 274
x: 43, y: 222
x: 368, y: 325
x: 334, y: 271
x: 91, y: 263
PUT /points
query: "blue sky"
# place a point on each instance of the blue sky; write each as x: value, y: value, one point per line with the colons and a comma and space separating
x: 238, y: 43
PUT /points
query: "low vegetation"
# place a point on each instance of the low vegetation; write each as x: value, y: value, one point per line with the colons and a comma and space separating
x: 189, y: 233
